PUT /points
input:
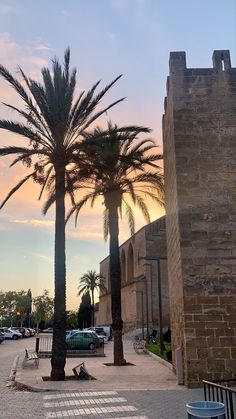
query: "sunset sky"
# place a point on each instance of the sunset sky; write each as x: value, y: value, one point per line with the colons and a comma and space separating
x: 106, y: 38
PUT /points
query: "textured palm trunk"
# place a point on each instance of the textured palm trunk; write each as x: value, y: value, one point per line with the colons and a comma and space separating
x: 58, y: 360
x: 115, y: 276
x: 93, y: 308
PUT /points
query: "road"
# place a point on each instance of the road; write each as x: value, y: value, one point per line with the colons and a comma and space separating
x: 133, y: 404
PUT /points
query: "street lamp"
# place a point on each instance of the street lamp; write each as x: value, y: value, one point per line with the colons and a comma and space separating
x: 158, y: 259
x: 142, y: 309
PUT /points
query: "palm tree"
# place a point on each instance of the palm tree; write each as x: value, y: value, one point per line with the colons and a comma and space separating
x: 90, y: 282
x: 119, y: 167
x: 52, y: 122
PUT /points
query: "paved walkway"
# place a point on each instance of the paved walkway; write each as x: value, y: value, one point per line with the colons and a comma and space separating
x: 145, y: 390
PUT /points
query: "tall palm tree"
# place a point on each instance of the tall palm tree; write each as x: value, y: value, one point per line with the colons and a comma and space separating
x: 52, y: 122
x: 90, y: 282
x: 119, y: 167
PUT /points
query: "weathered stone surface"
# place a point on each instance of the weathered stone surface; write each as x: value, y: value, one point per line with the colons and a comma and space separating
x: 199, y: 132
x: 138, y: 263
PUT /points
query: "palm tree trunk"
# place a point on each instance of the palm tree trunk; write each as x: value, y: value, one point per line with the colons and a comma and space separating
x: 58, y: 360
x: 115, y: 276
x: 92, y: 307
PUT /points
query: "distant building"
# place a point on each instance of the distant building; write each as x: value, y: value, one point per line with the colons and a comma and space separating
x: 138, y: 257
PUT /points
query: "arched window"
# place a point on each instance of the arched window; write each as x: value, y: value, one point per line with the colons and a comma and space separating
x: 123, y: 267
x: 130, y: 263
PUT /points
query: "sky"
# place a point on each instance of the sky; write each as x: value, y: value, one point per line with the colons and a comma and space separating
x: 106, y: 38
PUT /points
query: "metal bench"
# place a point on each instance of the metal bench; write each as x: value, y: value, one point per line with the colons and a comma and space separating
x: 31, y: 357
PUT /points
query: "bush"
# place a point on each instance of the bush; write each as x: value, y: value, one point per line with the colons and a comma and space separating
x: 155, y: 349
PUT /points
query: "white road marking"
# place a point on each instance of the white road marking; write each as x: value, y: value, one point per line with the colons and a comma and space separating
x: 90, y: 411
x: 84, y: 402
x: 80, y: 394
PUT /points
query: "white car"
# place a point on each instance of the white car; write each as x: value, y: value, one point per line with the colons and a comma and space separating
x: 100, y: 333
x: 11, y: 334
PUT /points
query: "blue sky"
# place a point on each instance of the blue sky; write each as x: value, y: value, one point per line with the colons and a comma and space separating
x: 107, y: 38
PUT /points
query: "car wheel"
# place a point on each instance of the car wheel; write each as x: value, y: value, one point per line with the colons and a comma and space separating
x: 91, y: 346
x: 14, y: 337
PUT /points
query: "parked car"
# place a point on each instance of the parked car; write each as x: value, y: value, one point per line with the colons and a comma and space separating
x: 23, y: 330
x: 102, y: 331
x: 2, y: 337
x: 48, y: 330
x: 100, y: 334
x: 32, y: 331
x: 10, y: 333
x: 85, y: 339
x: 69, y: 333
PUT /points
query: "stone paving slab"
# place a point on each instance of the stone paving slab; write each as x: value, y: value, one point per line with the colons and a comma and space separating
x: 146, y: 373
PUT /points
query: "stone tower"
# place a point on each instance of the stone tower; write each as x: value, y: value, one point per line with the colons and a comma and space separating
x: 199, y: 130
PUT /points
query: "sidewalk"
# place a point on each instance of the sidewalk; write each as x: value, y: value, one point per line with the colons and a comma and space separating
x: 146, y: 373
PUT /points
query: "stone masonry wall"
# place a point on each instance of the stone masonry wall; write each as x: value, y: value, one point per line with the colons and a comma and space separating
x: 147, y: 244
x: 199, y: 130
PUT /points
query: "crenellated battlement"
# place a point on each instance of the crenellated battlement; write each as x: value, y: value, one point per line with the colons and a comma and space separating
x: 220, y: 58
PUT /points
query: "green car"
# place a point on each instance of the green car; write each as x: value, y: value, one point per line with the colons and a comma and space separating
x: 83, y: 340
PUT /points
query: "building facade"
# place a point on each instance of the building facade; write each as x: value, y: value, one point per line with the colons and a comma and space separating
x: 138, y: 257
x: 199, y: 133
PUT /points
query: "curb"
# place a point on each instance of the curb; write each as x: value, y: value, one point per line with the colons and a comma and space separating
x: 12, y: 377
x: 161, y: 360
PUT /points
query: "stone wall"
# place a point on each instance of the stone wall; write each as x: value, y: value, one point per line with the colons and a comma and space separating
x: 199, y: 130
x: 138, y: 260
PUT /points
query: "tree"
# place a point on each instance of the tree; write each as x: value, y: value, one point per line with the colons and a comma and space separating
x: 9, y: 306
x: 119, y: 167
x: 72, y: 320
x: 90, y: 282
x: 43, y: 307
x: 22, y: 305
x: 84, y: 313
x: 52, y: 122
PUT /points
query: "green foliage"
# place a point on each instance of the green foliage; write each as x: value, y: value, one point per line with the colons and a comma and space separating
x: 90, y: 282
x: 121, y: 169
x: 72, y: 320
x: 85, y: 311
x: 15, y: 306
x: 43, y: 307
x: 155, y: 349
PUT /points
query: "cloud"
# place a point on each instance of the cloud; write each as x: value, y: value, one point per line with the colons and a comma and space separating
x: 42, y: 47
x: 34, y: 222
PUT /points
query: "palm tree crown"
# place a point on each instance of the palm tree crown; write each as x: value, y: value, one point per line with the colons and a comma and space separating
x: 90, y: 282
x: 117, y: 166
x: 53, y: 122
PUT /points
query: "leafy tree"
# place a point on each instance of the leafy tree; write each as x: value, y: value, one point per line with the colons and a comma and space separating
x: 90, y: 282
x: 85, y: 310
x: 22, y: 305
x: 9, y: 306
x: 72, y: 320
x: 119, y: 167
x: 52, y: 122
x: 43, y: 308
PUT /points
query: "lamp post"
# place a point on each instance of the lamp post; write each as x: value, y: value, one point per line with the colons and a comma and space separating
x: 158, y: 259
x: 142, y: 310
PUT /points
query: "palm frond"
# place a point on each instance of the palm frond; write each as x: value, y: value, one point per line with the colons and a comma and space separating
x: 18, y: 185
x: 130, y: 216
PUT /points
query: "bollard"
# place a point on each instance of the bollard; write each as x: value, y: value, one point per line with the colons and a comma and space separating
x: 37, y: 345
x: 206, y: 410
